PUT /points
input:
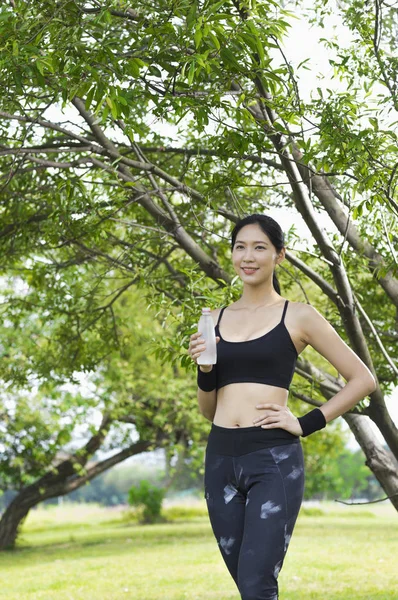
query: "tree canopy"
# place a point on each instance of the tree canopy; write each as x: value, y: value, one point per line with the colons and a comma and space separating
x: 132, y: 139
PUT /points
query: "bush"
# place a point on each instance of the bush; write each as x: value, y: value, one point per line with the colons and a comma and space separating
x: 150, y: 498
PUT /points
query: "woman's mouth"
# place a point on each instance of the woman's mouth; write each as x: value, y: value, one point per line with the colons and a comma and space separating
x: 249, y: 270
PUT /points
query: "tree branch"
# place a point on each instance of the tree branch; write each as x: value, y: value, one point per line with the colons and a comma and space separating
x: 99, y: 467
x: 207, y: 264
x: 315, y: 277
x: 205, y: 152
x: 377, y: 338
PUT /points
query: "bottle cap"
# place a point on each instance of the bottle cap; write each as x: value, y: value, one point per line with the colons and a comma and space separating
x: 205, y: 310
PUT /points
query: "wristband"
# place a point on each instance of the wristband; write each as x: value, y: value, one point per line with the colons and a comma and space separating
x: 312, y: 421
x: 207, y: 381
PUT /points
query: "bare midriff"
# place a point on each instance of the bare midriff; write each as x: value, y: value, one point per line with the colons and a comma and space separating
x: 236, y: 403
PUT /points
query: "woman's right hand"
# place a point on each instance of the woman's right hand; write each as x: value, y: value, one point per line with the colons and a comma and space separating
x: 196, y: 347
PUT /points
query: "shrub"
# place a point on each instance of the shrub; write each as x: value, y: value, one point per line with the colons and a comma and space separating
x: 150, y: 498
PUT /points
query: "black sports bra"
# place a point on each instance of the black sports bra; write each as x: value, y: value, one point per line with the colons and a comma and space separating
x: 269, y: 359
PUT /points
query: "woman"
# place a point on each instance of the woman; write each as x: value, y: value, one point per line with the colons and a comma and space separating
x: 254, y: 473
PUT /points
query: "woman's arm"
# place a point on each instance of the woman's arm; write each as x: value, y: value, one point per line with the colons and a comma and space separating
x: 207, y: 400
x: 318, y: 332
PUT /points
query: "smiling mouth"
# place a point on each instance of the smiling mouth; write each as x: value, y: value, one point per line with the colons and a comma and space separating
x: 249, y: 269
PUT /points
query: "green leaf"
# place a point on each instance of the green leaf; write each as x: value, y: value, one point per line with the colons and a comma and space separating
x: 374, y: 122
x: 89, y: 97
x: 228, y: 57
x: 214, y: 40
x: 198, y: 37
x: 191, y: 72
x: 134, y: 67
x: 191, y: 16
x: 40, y: 66
x: 153, y: 70
x: 215, y: 6
x: 105, y: 114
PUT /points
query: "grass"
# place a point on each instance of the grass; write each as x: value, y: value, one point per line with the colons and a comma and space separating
x: 81, y: 552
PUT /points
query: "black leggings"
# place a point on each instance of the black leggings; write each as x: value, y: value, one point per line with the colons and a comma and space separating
x: 254, y: 484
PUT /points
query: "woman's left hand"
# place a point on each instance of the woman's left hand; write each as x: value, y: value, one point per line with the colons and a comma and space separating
x: 278, y: 416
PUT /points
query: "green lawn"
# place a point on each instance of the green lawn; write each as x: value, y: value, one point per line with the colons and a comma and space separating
x: 89, y: 553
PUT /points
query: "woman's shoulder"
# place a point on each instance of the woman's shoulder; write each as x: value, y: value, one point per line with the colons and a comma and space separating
x: 215, y: 313
x: 300, y: 309
x: 304, y: 309
x: 305, y: 318
x: 297, y: 307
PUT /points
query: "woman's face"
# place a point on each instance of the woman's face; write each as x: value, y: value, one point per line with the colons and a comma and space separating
x: 254, y: 256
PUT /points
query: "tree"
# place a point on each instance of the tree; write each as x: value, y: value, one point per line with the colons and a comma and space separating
x: 51, y: 438
x: 350, y: 477
x: 126, y: 201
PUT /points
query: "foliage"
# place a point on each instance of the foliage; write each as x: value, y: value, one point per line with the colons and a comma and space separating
x: 111, y: 488
x: 174, y: 65
x: 150, y: 497
x: 40, y: 428
x: 348, y: 476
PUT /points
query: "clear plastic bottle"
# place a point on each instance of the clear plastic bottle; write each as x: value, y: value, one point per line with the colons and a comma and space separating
x: 206, y: 328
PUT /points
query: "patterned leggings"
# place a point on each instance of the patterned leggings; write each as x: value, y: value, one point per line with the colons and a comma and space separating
x: 254, y: 484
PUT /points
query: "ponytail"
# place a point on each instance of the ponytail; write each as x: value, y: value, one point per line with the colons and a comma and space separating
x: 275, y: 283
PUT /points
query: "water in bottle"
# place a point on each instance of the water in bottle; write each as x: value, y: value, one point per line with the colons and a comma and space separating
x: 206, y: 328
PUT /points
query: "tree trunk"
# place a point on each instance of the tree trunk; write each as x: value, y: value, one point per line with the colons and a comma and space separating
x: 379, y: 414
x: 382, y: 465
x: 14, y: 516
x: 53, y: 484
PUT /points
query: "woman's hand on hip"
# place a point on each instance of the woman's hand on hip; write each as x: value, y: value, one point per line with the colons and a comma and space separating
x: 276, y: 415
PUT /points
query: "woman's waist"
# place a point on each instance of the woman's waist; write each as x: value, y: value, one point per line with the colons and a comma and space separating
x: 236, y: 403
x: 252, y: 392
x: 236, y: 441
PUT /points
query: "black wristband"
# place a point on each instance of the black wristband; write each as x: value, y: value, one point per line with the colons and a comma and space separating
x: 312, y: 421
x: 207, y: 381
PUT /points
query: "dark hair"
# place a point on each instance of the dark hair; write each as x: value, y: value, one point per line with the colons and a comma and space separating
x: 271, y: 228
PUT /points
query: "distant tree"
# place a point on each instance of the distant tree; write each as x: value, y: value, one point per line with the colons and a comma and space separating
x: 112, y: 487
x: 346, y: 477
x: 51, y: 435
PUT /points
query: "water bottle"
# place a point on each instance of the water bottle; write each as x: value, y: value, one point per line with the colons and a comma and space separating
x: 206, y: 328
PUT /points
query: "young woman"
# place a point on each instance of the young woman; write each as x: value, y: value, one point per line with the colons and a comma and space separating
x: 254, y: 475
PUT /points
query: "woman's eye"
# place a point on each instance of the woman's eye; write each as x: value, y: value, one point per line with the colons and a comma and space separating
x: 239, y: 246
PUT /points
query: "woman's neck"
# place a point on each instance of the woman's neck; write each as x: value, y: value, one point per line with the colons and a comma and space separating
x: 253, y: 298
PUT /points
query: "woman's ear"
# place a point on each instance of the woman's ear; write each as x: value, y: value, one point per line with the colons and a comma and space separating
x: 281, y: 256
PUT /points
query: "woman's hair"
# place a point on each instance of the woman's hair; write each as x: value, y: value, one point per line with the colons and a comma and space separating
x: 271, y: 228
